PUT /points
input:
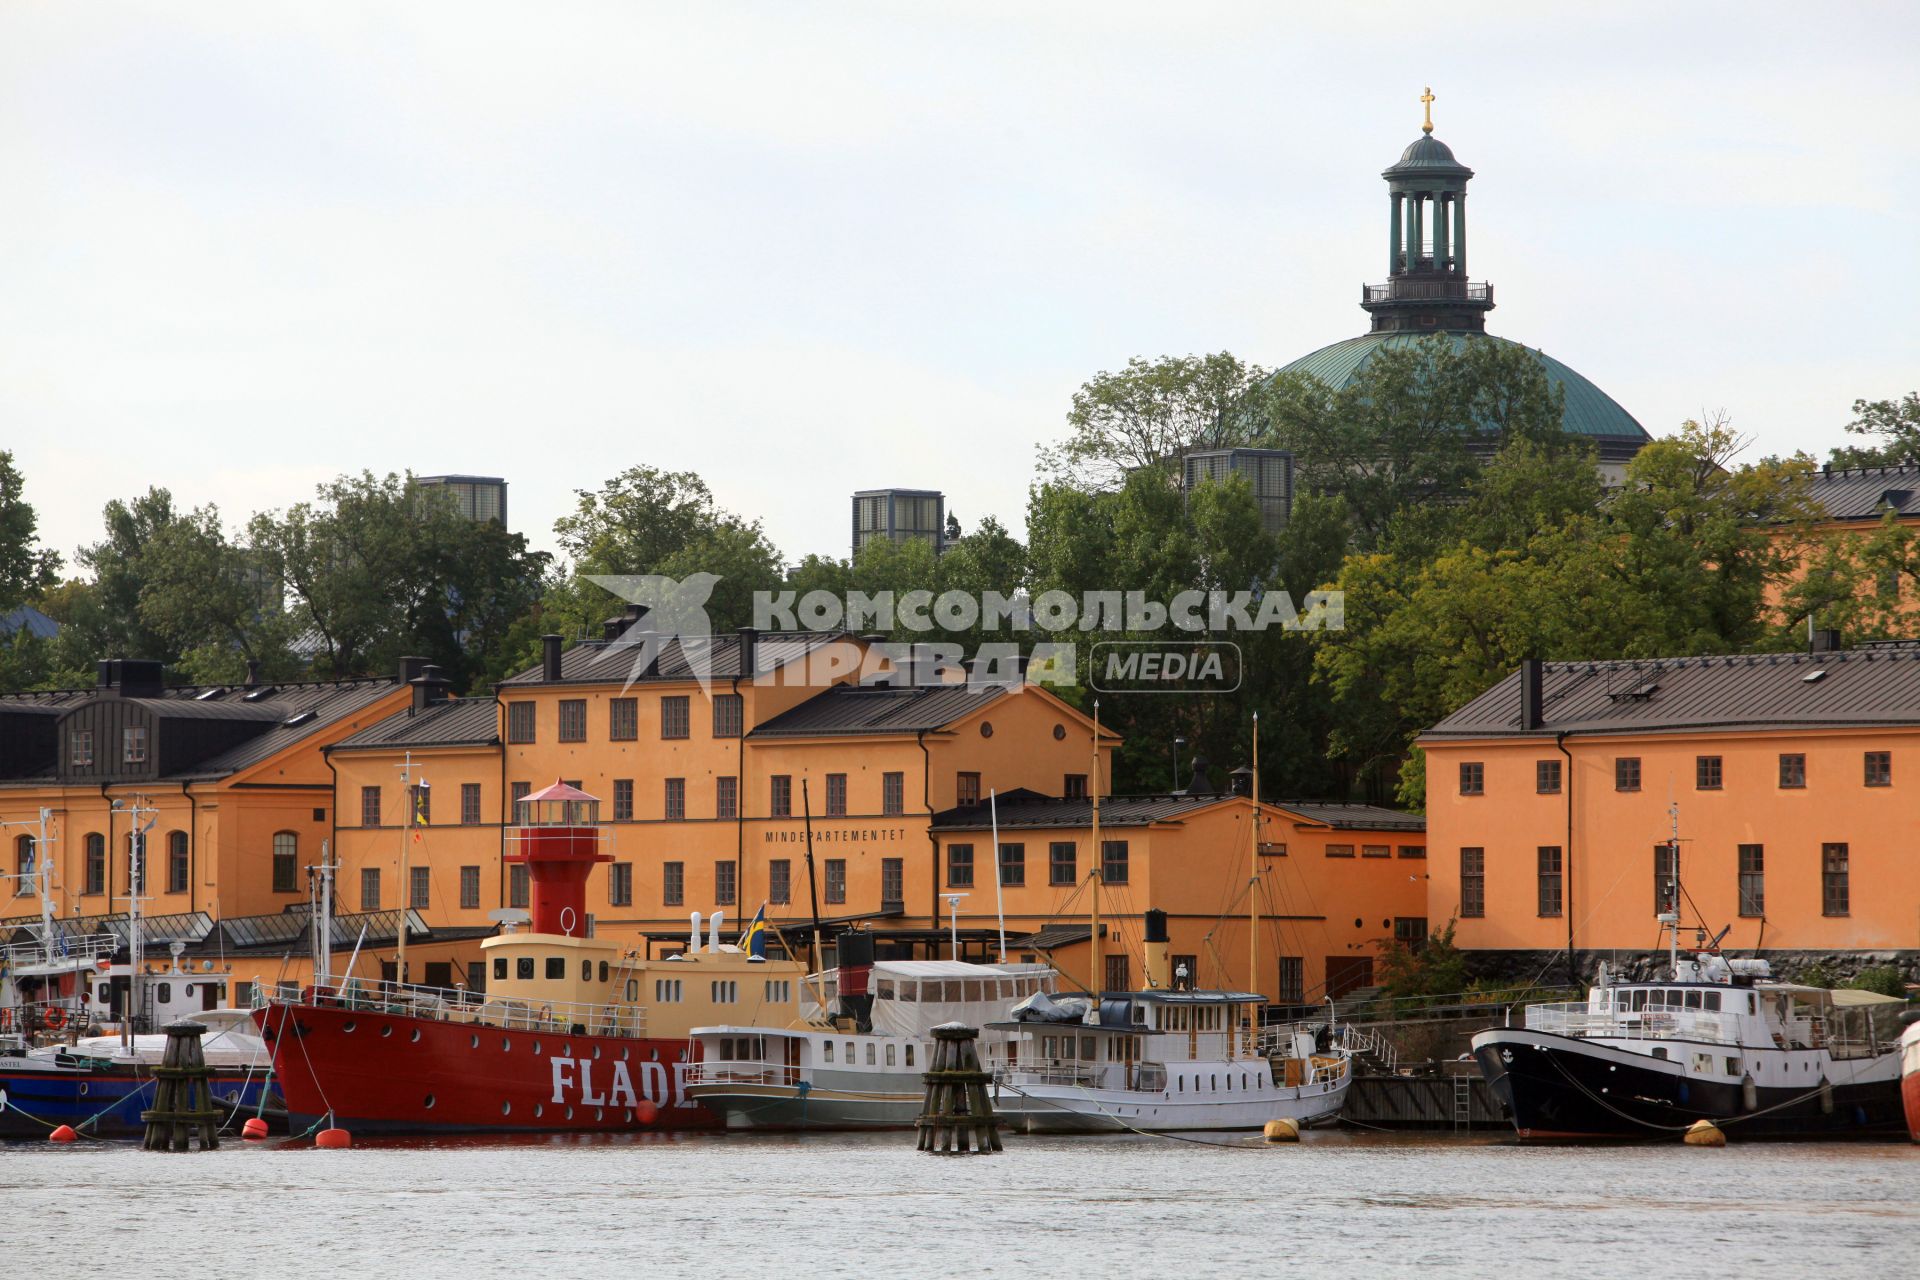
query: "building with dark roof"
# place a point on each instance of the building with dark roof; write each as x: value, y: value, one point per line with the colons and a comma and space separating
x: 1428, y: 291
x: 1573, y: 802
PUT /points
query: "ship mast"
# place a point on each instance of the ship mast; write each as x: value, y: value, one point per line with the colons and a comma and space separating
x: 1253, y: 882
x: 1097, y: 959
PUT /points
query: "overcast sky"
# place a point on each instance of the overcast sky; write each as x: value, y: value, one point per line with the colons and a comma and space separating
x: 807, y: 249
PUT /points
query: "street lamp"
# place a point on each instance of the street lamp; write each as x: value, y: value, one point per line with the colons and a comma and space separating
x: 1179, y: 745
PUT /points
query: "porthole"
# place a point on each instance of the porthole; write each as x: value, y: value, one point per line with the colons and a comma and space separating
x: 1059, y: 733
x: 629, y: 1115
x: 506, y: 1044
x: 506, y: 1108
x: 623, y: 1053
x: 596, y: 1053
x: 1358, y: 923
x: 566, y: 1050
x: 83, y: 1089
x: 653, y: 1055
x: 347, y: 1026
x: 538, y: 1111
x: 536, y: 1048
x: 599, y: 1115
x: 986, y: 728
x: 427, y: 1103
x: 415, y: 1037
x: 569, y: 1113
x: 473, y: 1042
x: 386, y: 1030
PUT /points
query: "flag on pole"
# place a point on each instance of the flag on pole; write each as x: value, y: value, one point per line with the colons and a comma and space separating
x: 753, y: 940
x: 421, y: 808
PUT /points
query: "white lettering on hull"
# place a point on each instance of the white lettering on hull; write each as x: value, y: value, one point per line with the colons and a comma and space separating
x: 654, y: 1085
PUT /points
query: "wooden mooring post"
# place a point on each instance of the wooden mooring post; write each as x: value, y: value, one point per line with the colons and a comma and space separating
x: 957, y: 1119
x: 183, y: 1102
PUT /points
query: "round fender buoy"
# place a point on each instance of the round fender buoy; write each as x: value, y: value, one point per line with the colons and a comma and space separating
x: 254, y: 1129
x: 333, y: 1139
x: 64, y: 1133
x: 1282, y: 1130
x: 1705, y: 1133
x: 646, y: 1112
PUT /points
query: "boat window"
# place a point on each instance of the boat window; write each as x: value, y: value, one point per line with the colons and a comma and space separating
x: 826, y: 1051
x: 556, y: 967
x: 1733, y: 1066
x: 850, y: 1059
x: 973, y: 991
x: 1179, y: 1084
x: 603, y: 971
x: 166, y: 993
x: 1087, y: 1051
x: 910, y: 991
x: 1751, y: 1006
x: 1712, y: 1000
x: 523, y: 967
x: 909, y: 1055
x: 499, y: 966
x: 1213, y: 1084
x: 1660, y: 1054
x: 952, y: 986
x: 889, y: 1055
x: 884, y: 989
x: 870, y: 1053
x: 1693, y: 999
x: 633, y: 988
x: 586, y: 971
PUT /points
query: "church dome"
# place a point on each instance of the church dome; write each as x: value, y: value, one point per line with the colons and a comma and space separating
x: 1590, y: 412
x: 1427, y: 157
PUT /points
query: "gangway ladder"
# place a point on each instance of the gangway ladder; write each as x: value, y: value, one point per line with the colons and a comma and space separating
x: 1462, y: 1102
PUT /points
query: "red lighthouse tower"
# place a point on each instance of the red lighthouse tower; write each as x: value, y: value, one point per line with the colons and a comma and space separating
x: 559, y: 841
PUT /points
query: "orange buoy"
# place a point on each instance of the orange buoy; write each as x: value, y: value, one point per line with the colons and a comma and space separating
x: 254, y: 1129
x: 64, y: 1133
x: 646, y: 1112
x: 333, y: 1139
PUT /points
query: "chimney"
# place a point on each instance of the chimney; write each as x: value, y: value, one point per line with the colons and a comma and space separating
x: 1825, y: 640
x: 132, y: 677
x: 1153, y: 943
x: 253, y: 673
x: 749, y: 652
x: 1200, y: 780
x: 550, y: 657
x: 1532, y: 694
x: 1240, y: 781
x: 410, y: 669
x: 429, y: 687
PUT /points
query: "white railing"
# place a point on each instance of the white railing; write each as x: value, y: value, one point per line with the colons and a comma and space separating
x: 441, y: 1004
x: 85, y: 950
x: 1374, y: 1044
x: 1062, y: 1073
x: 1578, y: 1020
x: 728, y: 1072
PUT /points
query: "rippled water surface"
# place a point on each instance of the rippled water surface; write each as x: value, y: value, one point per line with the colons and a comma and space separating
x: 870, y: 1205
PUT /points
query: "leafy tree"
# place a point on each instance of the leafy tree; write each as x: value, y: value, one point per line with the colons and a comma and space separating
x: 215, y: 603
x: 103, y: 621
x: 1404, y: 432
x: 26, y: 567
x: 1894, y: 425
x: 1153, y: 411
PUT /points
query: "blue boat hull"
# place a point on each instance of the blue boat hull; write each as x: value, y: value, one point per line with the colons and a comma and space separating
x: 107, y: 1103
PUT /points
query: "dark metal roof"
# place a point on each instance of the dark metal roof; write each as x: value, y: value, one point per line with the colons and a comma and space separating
x: 277, y: 932
x: 1856, y: 687
x: 612, y: 662
x: 330, y: 701
x: 453, y: 723
x: 1863, y: 493
x: 1054, y: 936
x: 1354, y: 817
x: 853, y: 709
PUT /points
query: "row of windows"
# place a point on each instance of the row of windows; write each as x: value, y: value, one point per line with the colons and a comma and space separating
x: 1063, y: 866
x: 1708, y: 773
x: 1750, y: 883
x: 93, y: 876
x: 133, y: 745
x: 623, y: 719
x: 1367, y: 850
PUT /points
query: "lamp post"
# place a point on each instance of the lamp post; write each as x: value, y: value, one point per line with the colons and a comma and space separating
x: 1179, y: 745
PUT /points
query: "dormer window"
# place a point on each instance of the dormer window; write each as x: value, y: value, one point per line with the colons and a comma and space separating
x: 133, y: 745
x: 82, y: 747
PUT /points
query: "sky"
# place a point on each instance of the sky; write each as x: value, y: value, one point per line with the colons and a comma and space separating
x: 806, y: 249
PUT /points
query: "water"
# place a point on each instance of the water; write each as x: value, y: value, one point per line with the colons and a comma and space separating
x: 870, y: 1205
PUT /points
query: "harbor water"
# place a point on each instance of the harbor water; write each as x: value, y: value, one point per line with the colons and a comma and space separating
x: 870, y: 1205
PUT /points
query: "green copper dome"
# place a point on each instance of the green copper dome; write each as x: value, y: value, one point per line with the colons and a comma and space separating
x: 1427, y: 157
x: 1590, y: 411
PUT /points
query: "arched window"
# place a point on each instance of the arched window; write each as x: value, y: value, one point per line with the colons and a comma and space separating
x: 23, y: 866
x: 95, y: 878
x: 176, y: 862
x: 286, y: 859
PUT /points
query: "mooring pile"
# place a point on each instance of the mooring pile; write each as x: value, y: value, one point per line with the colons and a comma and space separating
x: 183, y: 1099
x: 957, y: 1119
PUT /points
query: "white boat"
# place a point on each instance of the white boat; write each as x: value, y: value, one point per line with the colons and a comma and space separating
x: 232, y: 1042
x: 855, y: 1058
x: 1158, y: 1061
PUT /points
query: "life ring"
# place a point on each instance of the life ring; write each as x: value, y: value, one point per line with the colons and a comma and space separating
x: 54, y: 1018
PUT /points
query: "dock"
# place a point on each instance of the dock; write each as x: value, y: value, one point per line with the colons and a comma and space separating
x: 1451, y: 1103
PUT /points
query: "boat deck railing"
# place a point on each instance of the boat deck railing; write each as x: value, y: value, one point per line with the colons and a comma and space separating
x: 1577, y: 1019
x: 467, y: 1008
x: 86, y: 949
x: 729, y: 1072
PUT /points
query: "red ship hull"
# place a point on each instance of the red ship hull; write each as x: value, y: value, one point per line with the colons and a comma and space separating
x: 377, y: 1072
x: 1910, y: 1095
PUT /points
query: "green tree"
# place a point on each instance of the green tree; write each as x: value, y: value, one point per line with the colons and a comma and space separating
x: 103, y: 621
x: 215, y: 603
x: 1894, y: 428
x: 1152, y: 411
x: 26, y: 567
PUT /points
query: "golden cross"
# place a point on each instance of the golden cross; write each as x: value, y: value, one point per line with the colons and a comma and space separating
x: 1427, y: 99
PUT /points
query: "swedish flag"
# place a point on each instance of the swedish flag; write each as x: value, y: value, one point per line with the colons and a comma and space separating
x: 753, y: 940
